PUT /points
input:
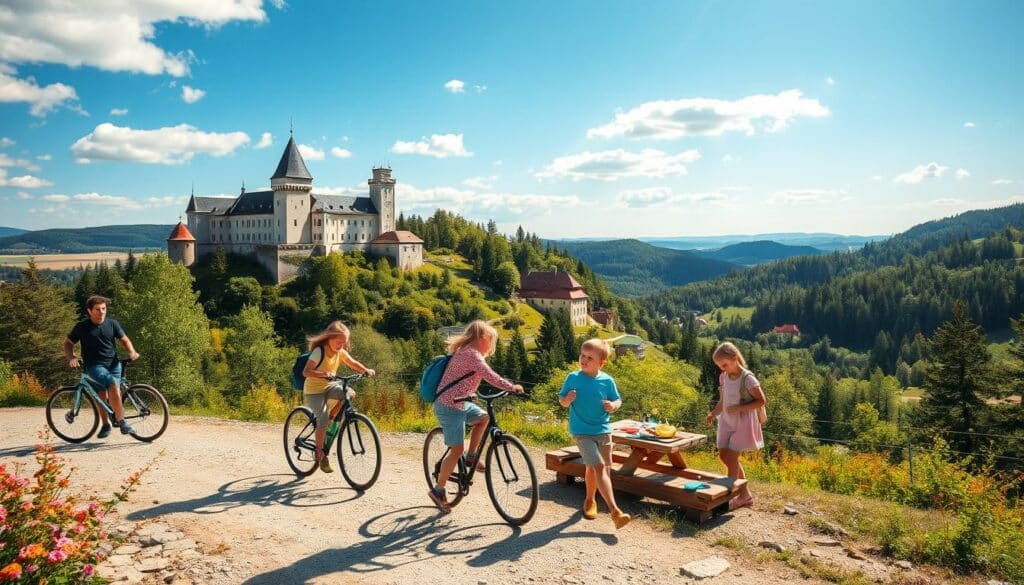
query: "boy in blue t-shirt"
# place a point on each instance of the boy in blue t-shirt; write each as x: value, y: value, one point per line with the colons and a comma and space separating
x: 591, y: 395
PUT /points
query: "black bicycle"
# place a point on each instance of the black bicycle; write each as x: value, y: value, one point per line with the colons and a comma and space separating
x: 511, y: 477
x: 359, y: 455
x: 73, y: 411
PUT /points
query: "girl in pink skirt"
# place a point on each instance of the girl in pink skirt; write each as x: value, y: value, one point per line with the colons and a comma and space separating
x: 739, y: 412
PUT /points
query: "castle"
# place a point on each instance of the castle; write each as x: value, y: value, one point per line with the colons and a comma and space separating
x: 289, y: 222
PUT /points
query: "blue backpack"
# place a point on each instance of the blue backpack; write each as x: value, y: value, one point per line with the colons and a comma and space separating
x: 431, y: 379
x: 298, y: 379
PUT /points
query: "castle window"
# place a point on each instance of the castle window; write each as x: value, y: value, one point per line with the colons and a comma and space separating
x: 295, y: 223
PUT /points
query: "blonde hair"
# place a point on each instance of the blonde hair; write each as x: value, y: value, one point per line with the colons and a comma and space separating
x: 728, y: 349
x: 335, y: 329
x: 599, y: 345
x: 474, y: 331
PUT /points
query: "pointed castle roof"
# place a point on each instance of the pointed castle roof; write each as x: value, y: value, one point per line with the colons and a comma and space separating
x: 181, y: 232
x: 292, y: 166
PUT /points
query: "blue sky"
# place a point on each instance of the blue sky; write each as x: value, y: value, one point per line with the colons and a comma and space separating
x: 572, y: 119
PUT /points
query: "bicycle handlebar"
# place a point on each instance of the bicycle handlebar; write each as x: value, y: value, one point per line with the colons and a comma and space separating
x: 349, y: 378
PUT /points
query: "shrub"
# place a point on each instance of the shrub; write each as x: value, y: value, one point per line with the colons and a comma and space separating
x: 21, y: 390
x: 49, y: 535
x: 262, y: 403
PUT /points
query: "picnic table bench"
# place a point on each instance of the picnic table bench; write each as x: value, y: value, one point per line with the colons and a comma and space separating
x: 642, y: 473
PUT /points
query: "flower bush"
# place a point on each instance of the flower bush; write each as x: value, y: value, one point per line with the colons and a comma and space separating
x: 47, y: 534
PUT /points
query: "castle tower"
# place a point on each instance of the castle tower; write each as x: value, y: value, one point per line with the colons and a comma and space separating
x: 181, y: 246
x: 382, y: 193
x: 291, y: 184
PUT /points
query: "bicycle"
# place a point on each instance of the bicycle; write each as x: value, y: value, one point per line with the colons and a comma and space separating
x: 359, y: 455
x: 509, y: 469
x: 76, y: 408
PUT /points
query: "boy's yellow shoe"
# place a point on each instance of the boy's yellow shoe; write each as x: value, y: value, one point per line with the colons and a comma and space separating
x: 620, y: 519
x: 325, y: 466
x: 590, y: 512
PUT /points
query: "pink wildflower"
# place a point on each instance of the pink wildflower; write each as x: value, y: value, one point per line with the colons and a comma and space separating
x: 87, y: 570
x: 57, y: 556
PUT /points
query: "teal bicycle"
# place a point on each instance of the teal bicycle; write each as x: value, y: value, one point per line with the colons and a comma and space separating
x: 73, y: 411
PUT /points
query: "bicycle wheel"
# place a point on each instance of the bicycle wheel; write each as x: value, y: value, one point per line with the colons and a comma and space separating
x: 147, y: 411
x: 300, y: 441
x: 511, y: 480
x: 359, y: 452
x: 434, y: 450
x: 73, y: 416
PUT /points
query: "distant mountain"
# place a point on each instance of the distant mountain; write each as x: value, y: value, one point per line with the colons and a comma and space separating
x: 9, y: 231
x: 93, y: 239
x: 632, y: 267
x: 753, y: 253
x: 822, y: 241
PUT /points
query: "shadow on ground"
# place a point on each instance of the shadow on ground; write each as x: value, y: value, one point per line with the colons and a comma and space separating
x: 261, y: 491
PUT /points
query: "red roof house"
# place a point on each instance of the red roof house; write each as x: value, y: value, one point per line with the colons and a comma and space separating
x: 551, y: 284
x: 788, y: 328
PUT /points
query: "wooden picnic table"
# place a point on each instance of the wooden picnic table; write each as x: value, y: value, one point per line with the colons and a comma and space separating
x: 642, y: 473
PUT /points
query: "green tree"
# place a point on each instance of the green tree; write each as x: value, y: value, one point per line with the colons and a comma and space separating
x: 253, y: 355
x: 84, y: 288
x: 505, y: 279
x: 400, y: 320
x: 827, y: 409
x: 161, y: 314
x: 959, y: 376
x: 789, y: 415
x: 239, y: 292
x: 35, y: 318
x: 219, y: 263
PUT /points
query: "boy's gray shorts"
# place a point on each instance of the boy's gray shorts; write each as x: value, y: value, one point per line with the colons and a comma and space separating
x: 595, y: 449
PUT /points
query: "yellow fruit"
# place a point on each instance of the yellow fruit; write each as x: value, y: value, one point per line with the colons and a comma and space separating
x: 665, y: 430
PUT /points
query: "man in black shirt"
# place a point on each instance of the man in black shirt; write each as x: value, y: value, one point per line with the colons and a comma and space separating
x: 99, y: 356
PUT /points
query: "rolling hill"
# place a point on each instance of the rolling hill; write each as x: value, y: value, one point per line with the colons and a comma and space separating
x: 9, y: 231
x: 632, y: 267
x: 822, y: 241
x: 759, y: 252
x: 92, y: 239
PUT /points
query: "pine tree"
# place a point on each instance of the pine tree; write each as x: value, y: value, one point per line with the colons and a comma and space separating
x: 518, y: 363
x: 1016, y: 369
x: 84, y: 288
x: 129, y: 266
x: 959, y: 376
x: 35, y: 319
x: 827, y: 409
x: 219, y: 264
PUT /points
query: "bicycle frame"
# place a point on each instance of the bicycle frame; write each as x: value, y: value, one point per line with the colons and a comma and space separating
x: 85, y: 384
x: 347, y: 409
x: 464, y: 473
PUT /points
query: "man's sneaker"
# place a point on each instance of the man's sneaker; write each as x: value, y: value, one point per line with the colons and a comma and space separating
x: 104, y: 432
x: 325, y: 465
x: 125, y: 427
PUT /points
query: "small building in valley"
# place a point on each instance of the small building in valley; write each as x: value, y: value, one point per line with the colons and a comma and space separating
x: 786, y: 329
x: 551, y: 290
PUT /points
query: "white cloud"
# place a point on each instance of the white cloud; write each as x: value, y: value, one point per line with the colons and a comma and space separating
x: 728, y: 158
x: 24, y: 181
x: 455, y: 86
x: 310, y: 152
x: 6, y: 161
x: 115, y: 35
x: 338, y: 152
x: 266, y: 139
x: 968, y: 124
x: 611, y: 165
x: 167, y: 146
x: 23, y: 195
x: 42, y: 100
x: 439, y: 146
x: 670, y: 119
x: 119, y: 112
x: 830, y: 81
x: 805, y: 196
x: 44, y: 157
x: 479, y: 88
x: 961, y: 174
x: 191, y: 95
x: 117, y: 202
x: 466, y: 201
x: 483, y: 183
x: 5, y: 142
x: 1002, y: 182
x: 666, y: 197
x: 932, y: 170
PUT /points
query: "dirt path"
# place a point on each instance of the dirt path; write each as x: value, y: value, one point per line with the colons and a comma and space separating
x: 226, y: 485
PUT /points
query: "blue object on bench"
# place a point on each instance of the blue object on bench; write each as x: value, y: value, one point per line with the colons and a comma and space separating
x: 692, y: 486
